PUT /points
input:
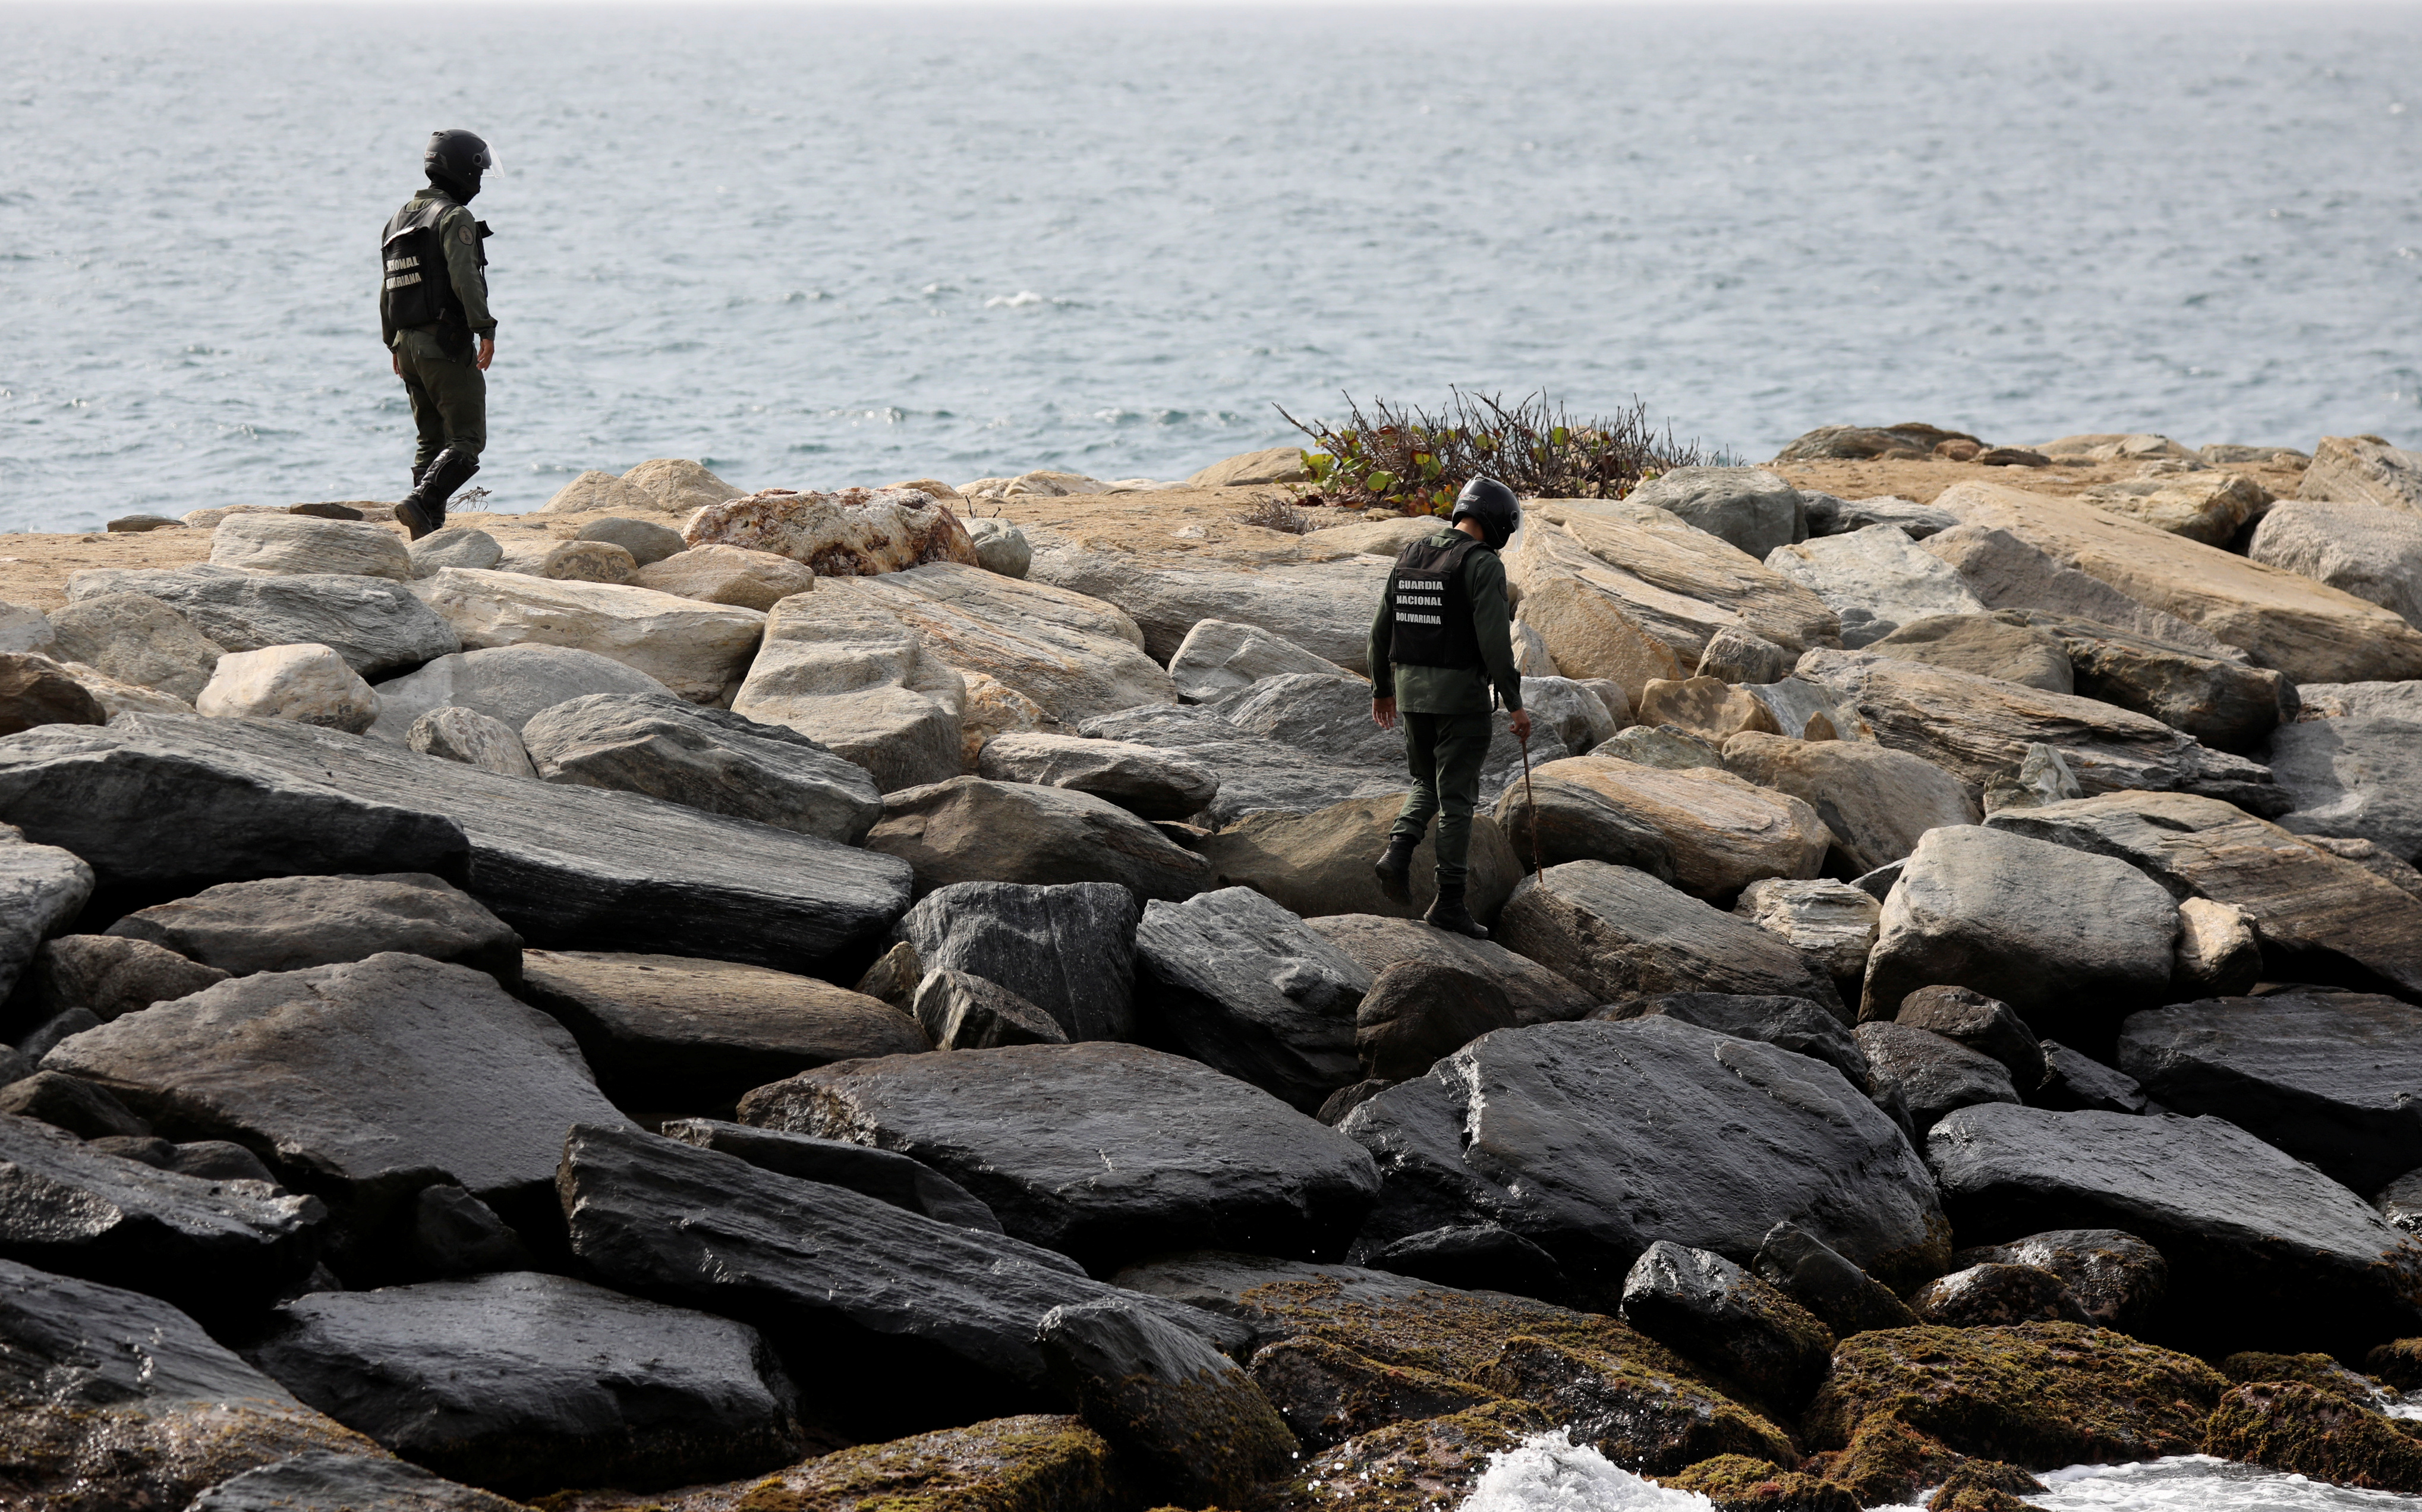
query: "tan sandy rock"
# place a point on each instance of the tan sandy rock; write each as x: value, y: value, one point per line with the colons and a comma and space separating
x: 677, y: 485
x: 727, y: 575
x: 307, y: 683
x: 1705, y: 706
x: 697, y: 650
x: 2364, y: 469
x: 594, y: 492
x: 1588, y: 636
x: 1298, y: 589
x: 133, y: 637
x: 2209, y: 508
x: 854, y: 532
x: 287, y: 543
x: 993, y: 709
x: 842, y: 669
x: 1710, y: 832
x: 1271, y: 465
x: 589, y: 562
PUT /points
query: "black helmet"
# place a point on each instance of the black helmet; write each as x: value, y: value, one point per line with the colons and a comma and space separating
x: 1494, y: 506
x: 455, y: 160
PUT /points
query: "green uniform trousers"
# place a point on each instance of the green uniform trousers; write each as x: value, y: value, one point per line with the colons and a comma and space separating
x: 450, y: 398
x: 1445, y: 752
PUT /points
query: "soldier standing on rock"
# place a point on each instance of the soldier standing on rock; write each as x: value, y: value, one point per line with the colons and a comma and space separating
x: 1441, y: 643
x: 433, y: 301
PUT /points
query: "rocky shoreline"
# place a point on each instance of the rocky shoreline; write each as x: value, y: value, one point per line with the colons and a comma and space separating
x: 735, y: 1001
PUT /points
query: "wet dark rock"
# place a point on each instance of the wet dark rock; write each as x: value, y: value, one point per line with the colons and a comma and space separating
x: 707, y: 759
x: 35, y: 691
x: 1245, y: 986
x: 1102, y: 1151
x: 893, y: 977
x: 1597, y: 1140
x: 2039, y: 1395
x: 1814, y: 1274
x: 2318, y: 1371
x: 1631, y: 1398
x: 43, y: 888
x: 1709, y: 1310
x: 676, y: 1034
x: 2400, y: 1202
x: 1194, y: 1427
x: 1441, y: 1459
x: 573, y: 868
x: 289, y: 922
x: 960, y: 1011
x: 884, y: 1174
x: 524, y: 1381
x: 1068, y: 950
x: 904, y: 1316
x: 319, y: 1480
x: 1622, y: 935
x: 1416, y: 1012
x: 211, y: 1247
x: 113, y: 975
x: 1994, y: 1293
x: 2398, y: 1363
x: 1474, y: 1257
x: 362, y: 1083
x: 1929, y: 1075
x: 1538, y: 996
x: 1971, y: 910
x: 2306, y: 1431
x: 39, y: 1040
x: 112, y: 1399
x: 455, y: 1234
x: 2117, y: 1278
x: 69, y: 1103
x: 1328, y: 1393
x: 2075, y: 1083
x: 969, y: 830
x: 208, y: 1160
x: 2331, y: 1077
x: 1793, y: 1024
x: 1345, y: 1099
x: 377, y: 626
x: 1984, y: 1025
x: 2260, y: 1246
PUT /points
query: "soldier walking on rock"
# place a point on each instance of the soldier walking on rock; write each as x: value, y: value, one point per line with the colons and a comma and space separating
x: 1440, y: 644
x: 433, y: 301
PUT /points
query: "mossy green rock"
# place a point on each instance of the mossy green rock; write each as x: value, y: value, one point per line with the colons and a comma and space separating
x: 2038, y: 1395
x: 2309, y: 1431
x: 1736, y: 1482
x: 1408, y: 1467
x: 1016, y: 1464
x: 2252, y: 1367
x: 2398, y: 1363
x: 1328, y: 1393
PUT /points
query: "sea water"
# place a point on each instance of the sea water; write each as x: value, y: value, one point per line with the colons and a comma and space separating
x: 1547, y: 1473
x: 824, y: 246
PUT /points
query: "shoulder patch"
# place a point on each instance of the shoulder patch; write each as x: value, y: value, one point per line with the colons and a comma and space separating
x: 468, y: 236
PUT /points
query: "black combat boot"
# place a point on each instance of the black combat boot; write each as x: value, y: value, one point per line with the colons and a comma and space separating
x: 1395, y: 869
x: 1448, y: 913
x: 423, y: 509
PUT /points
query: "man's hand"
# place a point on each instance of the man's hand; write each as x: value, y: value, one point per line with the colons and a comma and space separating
x: 487, y: 352
x: 1521, y: 723
x: 1383, y: 713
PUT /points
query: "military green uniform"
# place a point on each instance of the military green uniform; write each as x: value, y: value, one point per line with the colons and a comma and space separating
x: 1446, y: 709
x: 439, y: 360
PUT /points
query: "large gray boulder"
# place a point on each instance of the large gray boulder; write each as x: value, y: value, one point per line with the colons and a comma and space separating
x: 1221, y: 656
x: 2328, y: 1076
x: 2003, y: 646
x: 1068, y: 950
x: 1597, y: 1140
x: 2360, y: 778
x: 1876, y: 579
x: 671, y: 1033
x: 1105, y: 1153
x: 709, y: 759
x: 207, y: 812
x: 697, y: 650
x: 1249, y: 989
x: 2221, y: 701
x: 970, y: 829
x: 289, y: 922
x: 362, y: 1083
x: 897, y: 1307
x: 1319, y: 863
x: 1748, y: 507
x: 568, y: 868
x: 2264, y: 1251
x: 374, y: 624
x: 213, y: 1248
x: 1708, y: 831
x: 1977, y: 908
x: 2320, y: 915
x: 136, y: 639
x: 111, y: 976
x: 42, y: 889
x: 506, y: 683
x: 116, y: 1400
x: 852, y: 676
x: 1831, y: 515
x: 1710, y: 1310
x: 290, y: 543
x: 1257, y: 775
x: 1977, y: 727
x: 2340, y: 700
x: 523, y: 1381
x: 1145, y: 781
x: 884, y: 1175
x: 1874, y: 801
x: 1793, y: 1024
x: 1298, y: 590
x: 320, y: 1478
x: 2364, y: 469
x: 1535, y: 994
x: 1928, y: 1075
x: 1622, y: 935
x: 456, y: 545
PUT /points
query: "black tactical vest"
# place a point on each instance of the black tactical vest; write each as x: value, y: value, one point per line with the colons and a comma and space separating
x: 418, y: 291
x: 1432, y: 614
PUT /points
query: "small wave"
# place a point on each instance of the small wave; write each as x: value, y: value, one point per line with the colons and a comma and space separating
x: 1016, y: 301
x: 1548, y: 1472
